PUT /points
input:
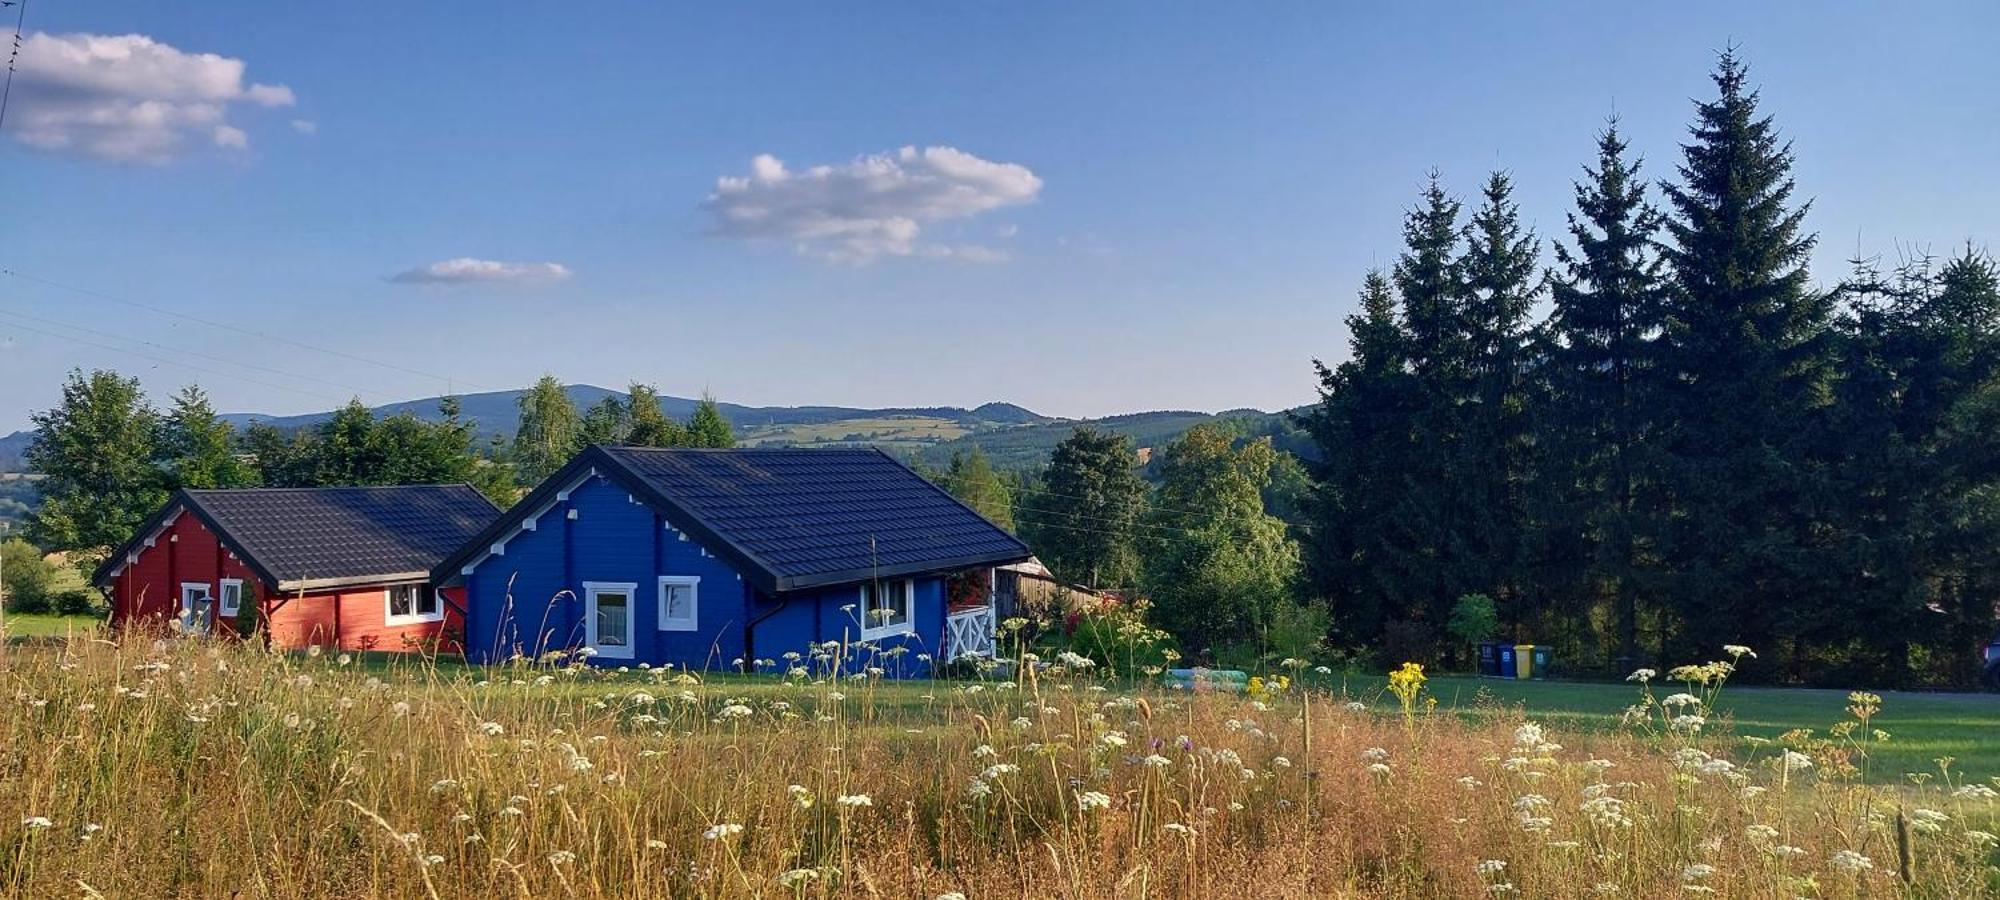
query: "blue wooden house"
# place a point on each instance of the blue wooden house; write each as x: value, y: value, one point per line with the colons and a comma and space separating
x: 704, y: 558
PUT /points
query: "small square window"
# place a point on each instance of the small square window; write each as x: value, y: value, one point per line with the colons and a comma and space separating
x: 887, y: 607
x: 680, y: 602
x: 407, y: 604
x: 231, y: 600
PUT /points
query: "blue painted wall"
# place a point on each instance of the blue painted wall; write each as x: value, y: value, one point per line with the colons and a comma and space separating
x: 530, y: 598
x: 815, y: 616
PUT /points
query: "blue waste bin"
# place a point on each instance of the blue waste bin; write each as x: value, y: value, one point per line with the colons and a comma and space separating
x: 1507, y: 667
x: 1489, y: 658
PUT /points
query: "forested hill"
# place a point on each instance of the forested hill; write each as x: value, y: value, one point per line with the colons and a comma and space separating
x: 1012, y: 436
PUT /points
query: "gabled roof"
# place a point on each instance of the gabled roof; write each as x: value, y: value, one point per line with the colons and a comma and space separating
x: 312, y: 538
x: 787, y: 519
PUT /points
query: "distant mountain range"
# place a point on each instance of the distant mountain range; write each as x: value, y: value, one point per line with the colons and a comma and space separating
x: 1012, y: 436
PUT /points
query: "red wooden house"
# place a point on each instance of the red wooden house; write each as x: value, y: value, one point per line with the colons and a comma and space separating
x: 345, y: 567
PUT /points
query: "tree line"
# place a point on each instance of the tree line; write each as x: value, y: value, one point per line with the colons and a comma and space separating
x: 108, y: 458
x: 1694, y: 446
x: 1193, y: 540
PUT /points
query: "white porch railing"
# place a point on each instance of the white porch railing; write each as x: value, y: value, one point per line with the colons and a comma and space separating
x: 968, y: 632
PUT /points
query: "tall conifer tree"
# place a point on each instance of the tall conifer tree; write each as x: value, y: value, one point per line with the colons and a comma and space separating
x: 1746, y: 356
x: 1594, y: 428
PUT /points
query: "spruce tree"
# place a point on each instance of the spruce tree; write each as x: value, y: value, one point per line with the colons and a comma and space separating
x: 707, y: 427
x: 1362, y: 429
x: 196, y: 449
x: 548, y: 432
x: 1501, y: 279
x: 606, y: 422
x: 1431, y: 563
x: 1083, y: 519
x: 1594, y: 427
x: 1745, y: 356
x: 347, y: 449
x: 972, y: 480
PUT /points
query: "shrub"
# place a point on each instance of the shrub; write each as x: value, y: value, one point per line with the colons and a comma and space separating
x: 1114, y: 634
x: 28, y: 578
x: 74, y: 602
x: 1474, y: 618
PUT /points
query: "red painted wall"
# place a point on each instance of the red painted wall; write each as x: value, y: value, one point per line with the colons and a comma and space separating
x: 146, y: 596
x: 352, y: 618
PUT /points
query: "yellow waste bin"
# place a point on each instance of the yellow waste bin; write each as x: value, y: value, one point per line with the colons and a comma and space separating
x: 1524, y: 661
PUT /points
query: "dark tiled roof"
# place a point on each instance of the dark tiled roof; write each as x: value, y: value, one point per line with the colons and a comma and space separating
x: 299, y: 538
x: 800, y: 518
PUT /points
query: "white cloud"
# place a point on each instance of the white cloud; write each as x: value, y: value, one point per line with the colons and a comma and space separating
x: 129, y: 98
x: 466, y: 270
x: 305, y: 126
x: 871, y: 207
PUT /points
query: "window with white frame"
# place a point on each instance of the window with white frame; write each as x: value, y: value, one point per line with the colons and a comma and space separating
x: 197, y: 612
x: 410, y: 603
x: 607, y: 623
x: 888, y: 607
x: 679, y: 602
x: 231, y: 600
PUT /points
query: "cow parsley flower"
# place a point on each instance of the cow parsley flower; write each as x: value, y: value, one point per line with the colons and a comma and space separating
x: 1091, y: 801
x: 37, y: 823
x: 724, y: 830
x: 1850, y: 861
x: 491, y: 729
x: 854, y: 801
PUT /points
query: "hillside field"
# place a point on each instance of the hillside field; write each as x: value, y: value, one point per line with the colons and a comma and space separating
x: 407, y: 778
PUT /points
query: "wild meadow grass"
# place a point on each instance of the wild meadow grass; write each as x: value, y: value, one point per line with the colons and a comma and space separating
x: 186, y: 768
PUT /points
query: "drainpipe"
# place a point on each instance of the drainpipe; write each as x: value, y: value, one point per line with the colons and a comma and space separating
x: 750, y: 630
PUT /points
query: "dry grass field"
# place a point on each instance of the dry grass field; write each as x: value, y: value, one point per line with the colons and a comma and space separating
x: 144, y: 769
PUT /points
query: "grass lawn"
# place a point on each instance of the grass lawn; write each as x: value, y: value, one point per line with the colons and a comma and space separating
x: 24, y: 625
x: 1923, y: 726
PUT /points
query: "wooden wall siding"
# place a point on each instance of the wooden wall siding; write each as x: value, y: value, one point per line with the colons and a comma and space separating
x: 356, y: 616
x: 146, y: 595
x: 530, y: 598
x: 817, y: 616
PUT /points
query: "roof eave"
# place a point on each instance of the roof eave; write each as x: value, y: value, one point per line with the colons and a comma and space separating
x: 302, y: 585
x: 905, y: 570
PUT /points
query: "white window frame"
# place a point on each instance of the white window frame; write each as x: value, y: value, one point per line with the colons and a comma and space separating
x: 870, y: 631
x: 590, y: 591
x: 416, y: 615
x: 227, y: 602
x: 691, y: 620
x: 187, y: 609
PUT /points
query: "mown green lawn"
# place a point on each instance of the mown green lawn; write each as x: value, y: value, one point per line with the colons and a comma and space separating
x: 1922, y: 726
x: 36, y: 625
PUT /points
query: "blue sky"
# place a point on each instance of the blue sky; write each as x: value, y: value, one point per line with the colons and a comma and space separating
x: 1142, y: 205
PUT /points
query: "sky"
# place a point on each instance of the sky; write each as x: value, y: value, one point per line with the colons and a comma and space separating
x: 1085, y: 209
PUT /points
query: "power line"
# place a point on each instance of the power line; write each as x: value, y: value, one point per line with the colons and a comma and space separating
x: 161, y: 359
x: 1149, y: 505
x: 1147, y: 526
x: 12, y: 57
x: 100, y: 295
x: 209, y: 356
